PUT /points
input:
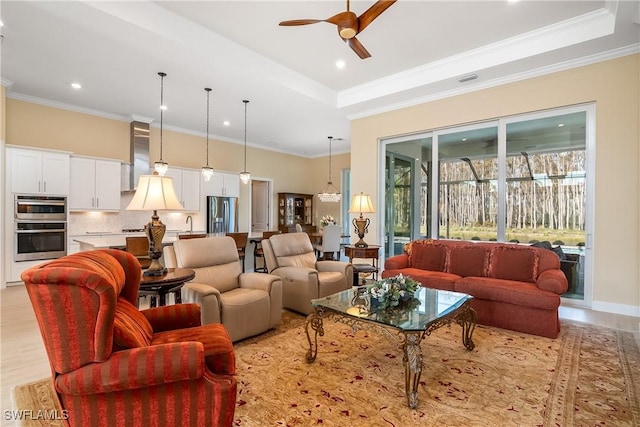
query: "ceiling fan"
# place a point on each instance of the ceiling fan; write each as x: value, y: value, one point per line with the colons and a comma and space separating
x: 349, y: 25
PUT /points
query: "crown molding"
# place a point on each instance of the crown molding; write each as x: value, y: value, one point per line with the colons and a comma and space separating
x: 6, y: 83
x: 141, y: 119
x: 589, y: 26
x: 68, y: 107
x: 480, y: 85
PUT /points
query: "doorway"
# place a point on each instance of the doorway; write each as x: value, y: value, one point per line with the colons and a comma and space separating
x: 260, y: 206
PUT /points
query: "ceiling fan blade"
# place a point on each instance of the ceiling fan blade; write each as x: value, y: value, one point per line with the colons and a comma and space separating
x: 358, y: 48
x: 372, y: 13
x: 296, y: 22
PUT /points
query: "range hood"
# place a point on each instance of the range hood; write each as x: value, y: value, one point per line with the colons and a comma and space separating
x: 139, y: 156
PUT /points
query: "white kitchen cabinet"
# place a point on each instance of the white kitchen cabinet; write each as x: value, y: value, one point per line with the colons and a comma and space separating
x: 186, y: 183
x: 95, y: 185
x: 223, y: 184
x: 38, y: 172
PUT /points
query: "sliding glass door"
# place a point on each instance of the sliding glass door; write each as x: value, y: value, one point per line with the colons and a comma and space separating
x: 523, y: 179
x: 468, y: 173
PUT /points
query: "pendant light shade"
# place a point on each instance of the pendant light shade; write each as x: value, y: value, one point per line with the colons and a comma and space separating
x: 245, y: 176
x: 207, y: 171
x: 330, y: 192
x: 161, y: 166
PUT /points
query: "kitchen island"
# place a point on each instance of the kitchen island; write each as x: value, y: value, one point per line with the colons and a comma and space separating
x: 119, y: 240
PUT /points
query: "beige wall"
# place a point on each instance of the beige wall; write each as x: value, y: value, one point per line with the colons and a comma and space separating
x: 3, y: 111
x: 614, y: 86
x: 40, y: 126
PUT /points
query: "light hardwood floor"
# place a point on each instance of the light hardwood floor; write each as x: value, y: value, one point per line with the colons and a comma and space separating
x: 24, y: 359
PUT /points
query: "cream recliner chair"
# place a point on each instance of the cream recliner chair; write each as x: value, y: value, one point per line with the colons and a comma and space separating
x: 291, y: 256
x: 247, y: 304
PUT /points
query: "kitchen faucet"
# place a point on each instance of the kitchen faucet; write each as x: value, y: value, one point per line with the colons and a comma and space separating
x: 190, y: 218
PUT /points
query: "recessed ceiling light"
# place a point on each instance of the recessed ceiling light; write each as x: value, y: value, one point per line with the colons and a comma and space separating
x: 1, y: 24
x: 226, y: 123
x: 340, y: 64
x: 163, y: 107
x: 76, y: 85
x: 464, y: 139
x: 560, y: 125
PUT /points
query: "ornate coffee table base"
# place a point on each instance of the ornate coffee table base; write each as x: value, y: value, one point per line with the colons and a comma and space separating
x: 465, y: 316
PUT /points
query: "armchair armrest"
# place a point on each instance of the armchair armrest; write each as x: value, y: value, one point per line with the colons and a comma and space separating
x: 207, y: 297
x: 553, y: 280
x: 339, y: 266
x: 136, y: 368
x: 296, y: 273
x: 170, y: 317
x: 397, y: 262
x: 258, y: 281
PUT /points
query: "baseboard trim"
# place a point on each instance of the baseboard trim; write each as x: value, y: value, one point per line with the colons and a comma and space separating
x: 610, y: 307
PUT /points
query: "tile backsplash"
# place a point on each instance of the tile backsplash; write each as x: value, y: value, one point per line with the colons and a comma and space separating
x: 114, y: 222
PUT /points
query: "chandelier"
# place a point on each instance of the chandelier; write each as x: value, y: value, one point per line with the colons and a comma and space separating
x: 330, y: 192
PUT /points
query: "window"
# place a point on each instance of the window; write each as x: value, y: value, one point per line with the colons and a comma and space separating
x: 520, y: 179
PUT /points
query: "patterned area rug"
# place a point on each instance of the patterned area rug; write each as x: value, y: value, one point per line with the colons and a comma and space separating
x: 588, y: 376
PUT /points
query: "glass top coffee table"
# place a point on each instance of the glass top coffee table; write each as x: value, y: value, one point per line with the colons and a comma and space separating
x: 412, y: 320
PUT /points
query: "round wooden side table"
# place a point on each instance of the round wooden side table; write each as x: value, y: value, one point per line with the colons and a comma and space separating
x: 170, y: 282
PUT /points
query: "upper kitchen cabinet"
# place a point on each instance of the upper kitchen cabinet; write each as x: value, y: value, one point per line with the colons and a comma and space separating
x: 222, y: 184
x: 186, y: 183
x: 95, y: 185
x: 38, y: 171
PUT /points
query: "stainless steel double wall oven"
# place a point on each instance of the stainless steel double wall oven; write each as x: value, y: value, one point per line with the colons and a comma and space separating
x: 40, y: 227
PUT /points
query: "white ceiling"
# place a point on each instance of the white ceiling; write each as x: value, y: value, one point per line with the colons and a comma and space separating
x: 297, y: 95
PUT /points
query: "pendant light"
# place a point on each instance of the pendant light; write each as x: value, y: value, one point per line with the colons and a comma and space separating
x: 161, y: 166
x: 207, y: 171
x: 244, y: 175
x: 330, y: 192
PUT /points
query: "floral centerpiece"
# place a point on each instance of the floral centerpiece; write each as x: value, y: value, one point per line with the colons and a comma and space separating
x: 392, y: 291
x: 327, y: 220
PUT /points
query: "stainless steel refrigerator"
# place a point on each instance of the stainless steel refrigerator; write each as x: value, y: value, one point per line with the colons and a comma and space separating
x: 222, y: 214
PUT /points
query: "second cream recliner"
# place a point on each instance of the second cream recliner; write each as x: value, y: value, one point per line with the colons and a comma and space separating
x: 247, y: 304
x: 291, y: 256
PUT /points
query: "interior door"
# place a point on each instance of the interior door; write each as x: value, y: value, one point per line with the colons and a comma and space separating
x: 259, y: 206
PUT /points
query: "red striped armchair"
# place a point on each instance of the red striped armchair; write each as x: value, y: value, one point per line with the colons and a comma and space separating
x: 114, y: 365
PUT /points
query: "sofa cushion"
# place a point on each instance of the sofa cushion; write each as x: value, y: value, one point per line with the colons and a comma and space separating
x: 471, y: 260
x: 130, y: 328
x: 429, y: 279
x: 508, y: 291
x: 514, y: 263
x: 428, y: 255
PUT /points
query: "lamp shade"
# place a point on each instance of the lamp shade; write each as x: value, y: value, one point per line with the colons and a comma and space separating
x: 361, y: 203
x: 155, y: 192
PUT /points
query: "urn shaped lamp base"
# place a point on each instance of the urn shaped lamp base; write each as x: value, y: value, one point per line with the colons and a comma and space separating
x: 154, y: 231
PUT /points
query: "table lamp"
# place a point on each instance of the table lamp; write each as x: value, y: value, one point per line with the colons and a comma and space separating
x: 361, y: 203
x: 155, y: 192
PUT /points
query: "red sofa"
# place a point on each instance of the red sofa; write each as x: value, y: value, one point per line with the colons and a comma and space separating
x: 514, y: 286
x: 113, y: 365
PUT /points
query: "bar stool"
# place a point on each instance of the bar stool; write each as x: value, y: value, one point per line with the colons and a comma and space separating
x: 259, y: 253
x: 241, y: 244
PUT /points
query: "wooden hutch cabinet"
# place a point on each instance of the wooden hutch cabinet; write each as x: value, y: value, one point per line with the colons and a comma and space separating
x: 294, y: 208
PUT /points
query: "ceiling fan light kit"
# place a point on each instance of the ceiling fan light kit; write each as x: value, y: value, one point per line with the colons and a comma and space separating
x: 349, y: 25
